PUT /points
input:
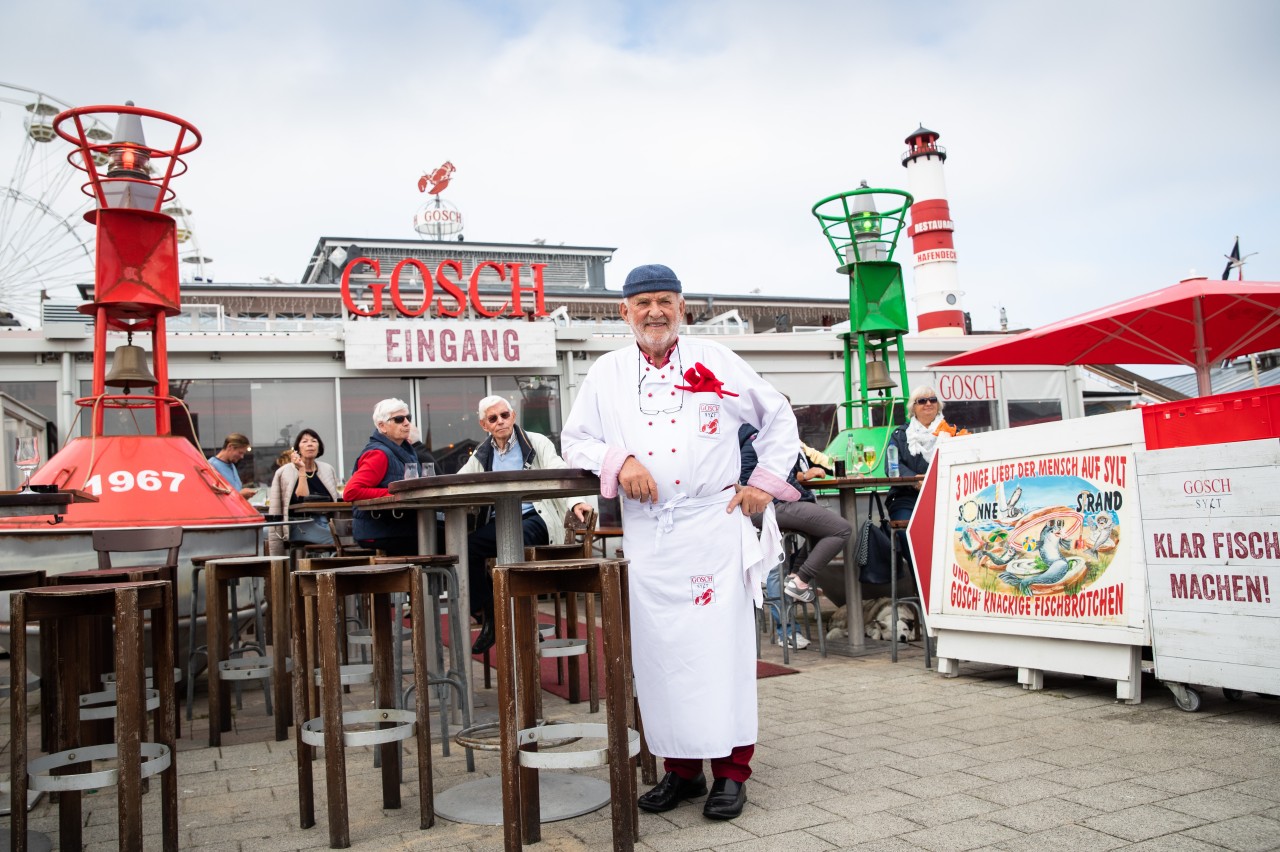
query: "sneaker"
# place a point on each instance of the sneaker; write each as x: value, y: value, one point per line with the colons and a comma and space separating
x: 798, y: 641
x: 805, y: 595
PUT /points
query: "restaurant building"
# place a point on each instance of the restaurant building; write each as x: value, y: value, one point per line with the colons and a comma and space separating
x: 443, y: 323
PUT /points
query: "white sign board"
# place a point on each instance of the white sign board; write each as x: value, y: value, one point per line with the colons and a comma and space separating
x: 1212, y: 537
x: 1037, y: 533
x: 1036, y: 562
x: 409, y: 344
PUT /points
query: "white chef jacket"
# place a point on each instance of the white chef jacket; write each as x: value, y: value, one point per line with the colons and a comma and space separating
x: 695, y: 569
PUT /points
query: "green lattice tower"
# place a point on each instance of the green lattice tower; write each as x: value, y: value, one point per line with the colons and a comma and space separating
x: 864, y: 238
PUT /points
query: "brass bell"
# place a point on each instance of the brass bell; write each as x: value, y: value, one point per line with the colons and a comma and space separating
x: 878, y: 377
x: 129, y: 369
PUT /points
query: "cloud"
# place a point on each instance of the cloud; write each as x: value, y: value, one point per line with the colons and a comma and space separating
x: 1096, y: 149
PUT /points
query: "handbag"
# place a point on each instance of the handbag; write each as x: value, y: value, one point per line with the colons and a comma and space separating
x: 874, y: 550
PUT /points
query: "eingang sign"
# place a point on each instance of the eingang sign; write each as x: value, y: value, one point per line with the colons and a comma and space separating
x: 397, y: 345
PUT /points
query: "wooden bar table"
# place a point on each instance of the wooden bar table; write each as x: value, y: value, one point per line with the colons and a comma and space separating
x: 23, y: 503
x: 505, y: 491
x: 850, y: 487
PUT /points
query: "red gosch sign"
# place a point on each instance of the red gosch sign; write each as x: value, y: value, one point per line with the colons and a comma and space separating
x: 457, y: 291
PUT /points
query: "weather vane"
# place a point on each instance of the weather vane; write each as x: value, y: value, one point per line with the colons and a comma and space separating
x: 435, y: 182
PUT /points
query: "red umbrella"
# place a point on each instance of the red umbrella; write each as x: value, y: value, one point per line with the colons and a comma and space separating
x: 1196, y: 322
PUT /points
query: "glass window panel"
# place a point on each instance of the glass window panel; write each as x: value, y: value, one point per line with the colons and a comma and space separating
x: 974, y: 415
x: 1025, y: 412
x: 270, y: 412
x: 42, y: 396
x: 447, y: 418
x: 536, y: 400
x: 359, y: 396
x: 817, y: 424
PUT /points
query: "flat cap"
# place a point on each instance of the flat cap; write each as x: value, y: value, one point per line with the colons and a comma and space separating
x: 650, y: 278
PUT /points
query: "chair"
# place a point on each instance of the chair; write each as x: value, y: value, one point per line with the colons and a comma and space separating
x: 169, y: 539
x: 223, y: 575
x: 344, y: 542
x: 515, y: 589
x: 896, y: 528
x: 239, y: 647
x: 328, y: 729
x: 66, y: 615
x: 786, y: 606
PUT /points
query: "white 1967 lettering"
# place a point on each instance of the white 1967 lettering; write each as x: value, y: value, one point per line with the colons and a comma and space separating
x: 125, y: 480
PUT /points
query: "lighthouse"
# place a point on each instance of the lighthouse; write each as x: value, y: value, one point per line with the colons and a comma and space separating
x: 938, y: 306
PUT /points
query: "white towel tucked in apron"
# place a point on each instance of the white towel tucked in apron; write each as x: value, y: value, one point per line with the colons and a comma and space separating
x: 695, y: 571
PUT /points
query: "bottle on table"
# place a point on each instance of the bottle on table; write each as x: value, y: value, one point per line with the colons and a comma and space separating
x: 891, y: 461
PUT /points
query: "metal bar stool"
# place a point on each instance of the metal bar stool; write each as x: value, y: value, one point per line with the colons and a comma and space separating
x: 351, y: 674
x: 221, y: 576
x: 516, y: 588
x: 238, y: 646
x: 568, y: 648
x: 97, y: 686
x: 440, y: 573
x: 22, y: 578
x: 67, y: 614
x: 897, y: 528
x: 328, y: 588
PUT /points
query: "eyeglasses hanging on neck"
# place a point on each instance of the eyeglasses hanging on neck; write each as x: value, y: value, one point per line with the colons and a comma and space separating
x: 641, y: 373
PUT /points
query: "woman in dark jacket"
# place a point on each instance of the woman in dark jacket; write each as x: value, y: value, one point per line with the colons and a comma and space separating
x: 916, y: 440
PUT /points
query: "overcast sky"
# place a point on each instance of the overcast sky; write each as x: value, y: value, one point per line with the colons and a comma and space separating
x: 1096, y: 149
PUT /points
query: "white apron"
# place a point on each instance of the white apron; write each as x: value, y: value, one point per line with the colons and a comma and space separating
x: 692, y: 623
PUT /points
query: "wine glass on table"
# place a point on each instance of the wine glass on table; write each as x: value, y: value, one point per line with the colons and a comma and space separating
x: 856, y: 466
x: 26, y: 458
x: 869, y: 457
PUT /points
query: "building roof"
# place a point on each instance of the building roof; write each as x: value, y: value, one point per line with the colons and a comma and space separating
x: 1234, y: 376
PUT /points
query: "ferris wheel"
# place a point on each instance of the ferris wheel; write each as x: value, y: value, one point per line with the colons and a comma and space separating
x: 46, y: 247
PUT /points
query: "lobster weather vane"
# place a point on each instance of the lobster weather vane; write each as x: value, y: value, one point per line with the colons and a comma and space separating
x: 434, y: 182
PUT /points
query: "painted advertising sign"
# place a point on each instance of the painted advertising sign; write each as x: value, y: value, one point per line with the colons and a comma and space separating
x: 1035, y: 538
x: 1211, y: 531
x: 408, y: 345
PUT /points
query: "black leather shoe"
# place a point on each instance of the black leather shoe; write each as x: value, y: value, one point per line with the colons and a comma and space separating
x: 671, y: 791
x: 485, y: 640
x: 726, y: 799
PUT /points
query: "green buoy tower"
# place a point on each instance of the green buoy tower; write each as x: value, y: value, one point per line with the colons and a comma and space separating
x: 863, y: 226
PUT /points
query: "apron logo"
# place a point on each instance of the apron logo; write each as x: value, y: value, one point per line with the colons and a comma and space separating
x: 704, y: 589
x: 709, y: 418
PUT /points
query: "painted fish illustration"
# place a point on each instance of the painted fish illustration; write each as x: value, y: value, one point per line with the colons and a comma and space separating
x: 1049, y: 549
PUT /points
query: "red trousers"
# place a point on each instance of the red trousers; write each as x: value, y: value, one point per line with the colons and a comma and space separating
x: 735, y: 767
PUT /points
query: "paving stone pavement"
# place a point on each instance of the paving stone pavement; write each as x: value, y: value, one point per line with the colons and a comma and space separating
x: 853, y: 754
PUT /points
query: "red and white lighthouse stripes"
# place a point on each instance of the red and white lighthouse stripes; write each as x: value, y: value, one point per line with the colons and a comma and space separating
x: 938, y: 307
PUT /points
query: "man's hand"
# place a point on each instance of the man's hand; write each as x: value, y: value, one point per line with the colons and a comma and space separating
x: 248, y: 491
x: 636, y: 482
x: 810, y: 474
x: 750, y: 498
x: 582, y: 510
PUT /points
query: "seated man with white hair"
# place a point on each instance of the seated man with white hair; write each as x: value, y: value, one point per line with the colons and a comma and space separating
x: 379, y: 464
x: 510, y: 447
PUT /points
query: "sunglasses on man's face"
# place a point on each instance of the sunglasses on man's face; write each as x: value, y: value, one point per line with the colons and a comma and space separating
x: 927, y: 400
x: 494, y: 418
x: 400, y: 418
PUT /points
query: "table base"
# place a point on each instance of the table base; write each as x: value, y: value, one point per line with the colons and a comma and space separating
x: 561, y: 796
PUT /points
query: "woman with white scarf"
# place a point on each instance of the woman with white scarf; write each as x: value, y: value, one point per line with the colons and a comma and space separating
x: 916, y: 440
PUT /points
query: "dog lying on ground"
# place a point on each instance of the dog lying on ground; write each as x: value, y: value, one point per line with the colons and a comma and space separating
x: 877, y: 617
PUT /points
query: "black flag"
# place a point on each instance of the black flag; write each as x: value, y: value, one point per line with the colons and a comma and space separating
x: 1233, y: 260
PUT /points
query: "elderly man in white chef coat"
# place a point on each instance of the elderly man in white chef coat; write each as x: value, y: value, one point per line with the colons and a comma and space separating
x: 659, y: 422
